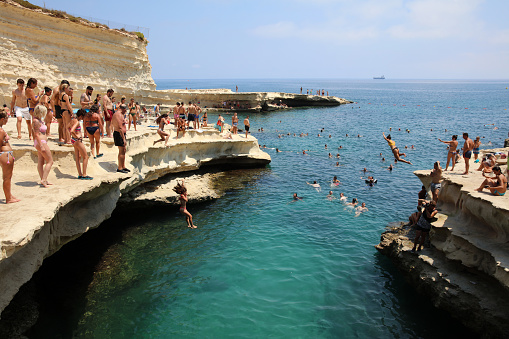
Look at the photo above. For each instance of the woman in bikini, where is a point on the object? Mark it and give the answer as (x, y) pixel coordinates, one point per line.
(79, 148)
(32, 99)
(204, 119)
(133, 111)
(182, 191)
(45, 100)
(451, 155)
(93, 125)
(45, 159)
(6, 160)
(65, 104)
(162, 120)
(395, 150)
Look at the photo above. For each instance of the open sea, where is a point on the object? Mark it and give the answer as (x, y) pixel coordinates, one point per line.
(260, 265)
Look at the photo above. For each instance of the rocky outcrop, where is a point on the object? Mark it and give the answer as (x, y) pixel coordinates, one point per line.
(47, 219)
(37, 45)
(465, 270)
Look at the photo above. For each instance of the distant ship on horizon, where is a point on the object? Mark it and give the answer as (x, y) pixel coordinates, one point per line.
(379, 78)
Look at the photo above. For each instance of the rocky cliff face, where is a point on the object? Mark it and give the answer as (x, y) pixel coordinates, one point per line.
(465, 270)
(34, 44)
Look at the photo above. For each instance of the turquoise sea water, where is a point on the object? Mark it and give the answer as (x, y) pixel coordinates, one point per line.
(260, 265)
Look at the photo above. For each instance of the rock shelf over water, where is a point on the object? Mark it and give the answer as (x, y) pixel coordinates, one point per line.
(466, 269)
(47, 218)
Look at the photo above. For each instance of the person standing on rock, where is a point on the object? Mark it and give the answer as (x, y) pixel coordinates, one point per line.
(107, 108)
(93, 125)
(119, 137)
(44, 156)
(19, 106)
(45, 100)
(436, 176)
(6, 160)
(246, 125)
(423, 224)
(197, 111)
(191, 111)
(182, 111)
(86, 98)
(176, 113)
(80, 152)
(477, 144)
(468, 146)
(33, 100)
(65, 104)
(55, 101)
(451, 155)
(235, 123)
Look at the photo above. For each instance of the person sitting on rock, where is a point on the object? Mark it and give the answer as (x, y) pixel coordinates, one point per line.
(414, 217)
(423, 224)
(497, 185)
(487, 165)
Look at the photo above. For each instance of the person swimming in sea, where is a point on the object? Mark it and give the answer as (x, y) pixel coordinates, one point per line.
(296, 198)
(315, 185)
(335, 181)
(353, 203)
(330, 196)
(371, 181)
(342, 197)
(395, 150)
(360, 209)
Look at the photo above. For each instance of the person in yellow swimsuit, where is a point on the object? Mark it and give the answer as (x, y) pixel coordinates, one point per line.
(395, 150)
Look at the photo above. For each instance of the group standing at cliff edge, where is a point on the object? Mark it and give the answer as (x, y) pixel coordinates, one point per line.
(101, 117)
(495, 181)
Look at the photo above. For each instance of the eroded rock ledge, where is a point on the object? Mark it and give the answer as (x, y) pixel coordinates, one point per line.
(465, 269)
(46, 219)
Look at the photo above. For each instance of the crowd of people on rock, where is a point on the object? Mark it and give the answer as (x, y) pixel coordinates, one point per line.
(318, 92)
(99, 117)
(495, 182)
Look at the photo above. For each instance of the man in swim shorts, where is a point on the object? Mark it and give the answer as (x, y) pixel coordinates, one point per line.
(19, 106)
(468, 146)
(191, 111)
(119, 136)
(55, 101)
(246, 125)
(497, 185)
(107, 107)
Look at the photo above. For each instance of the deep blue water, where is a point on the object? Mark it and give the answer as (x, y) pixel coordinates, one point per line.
(260, 265)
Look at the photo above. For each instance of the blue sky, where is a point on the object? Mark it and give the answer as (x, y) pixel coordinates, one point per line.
(402, 39)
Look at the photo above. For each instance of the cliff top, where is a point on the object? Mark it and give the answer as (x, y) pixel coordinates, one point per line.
(76, 19)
